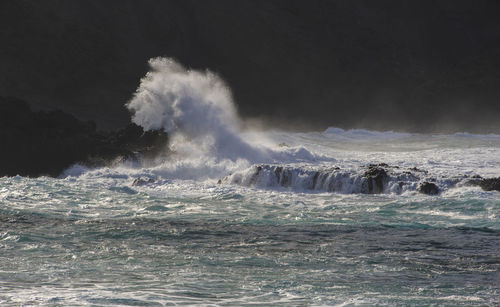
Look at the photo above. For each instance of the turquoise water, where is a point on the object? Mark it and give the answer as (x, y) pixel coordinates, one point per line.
(93, 238)
(79, 242)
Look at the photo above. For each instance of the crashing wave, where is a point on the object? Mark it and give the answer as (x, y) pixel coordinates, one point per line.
(195, 108)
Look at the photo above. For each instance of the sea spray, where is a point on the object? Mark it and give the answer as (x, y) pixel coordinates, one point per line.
(196, 109)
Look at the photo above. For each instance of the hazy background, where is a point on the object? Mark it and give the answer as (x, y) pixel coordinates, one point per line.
(399, 65)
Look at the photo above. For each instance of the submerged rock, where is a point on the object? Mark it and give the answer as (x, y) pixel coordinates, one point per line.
(415, 169)
(140, 181)
(428, 188)
(490, 184)
(487, 184)
(46, 143)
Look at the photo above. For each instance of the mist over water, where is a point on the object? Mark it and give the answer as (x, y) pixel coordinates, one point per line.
(207, 142)
(197, 110)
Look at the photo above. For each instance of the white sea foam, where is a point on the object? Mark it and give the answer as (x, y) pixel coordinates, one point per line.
(364, 134)
(196, 109)
(478, 136)
(173, 238)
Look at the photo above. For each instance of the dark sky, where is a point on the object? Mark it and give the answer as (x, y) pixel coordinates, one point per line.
(399, 65)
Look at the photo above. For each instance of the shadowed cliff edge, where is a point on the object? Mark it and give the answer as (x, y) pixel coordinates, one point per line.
(46, 143)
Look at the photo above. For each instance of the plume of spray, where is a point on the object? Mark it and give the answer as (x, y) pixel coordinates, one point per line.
(206, 139)
(195, 108)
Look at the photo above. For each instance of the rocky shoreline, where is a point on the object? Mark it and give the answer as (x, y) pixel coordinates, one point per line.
(45, 143)
(372, 179)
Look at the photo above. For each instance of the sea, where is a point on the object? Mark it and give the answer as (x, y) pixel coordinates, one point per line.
(232, 216)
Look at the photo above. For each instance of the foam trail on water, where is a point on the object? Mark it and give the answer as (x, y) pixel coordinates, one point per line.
(196, 109)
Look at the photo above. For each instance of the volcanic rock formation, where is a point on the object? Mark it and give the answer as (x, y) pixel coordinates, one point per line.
(46, 143)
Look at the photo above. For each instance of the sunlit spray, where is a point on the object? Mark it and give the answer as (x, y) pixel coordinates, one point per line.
(195, 108)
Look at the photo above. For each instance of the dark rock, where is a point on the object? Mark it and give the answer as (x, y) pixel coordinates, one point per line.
(286, 178)
(487, 184)
(315, 180)
(142, 181)
(376, 177)
(46, 143)
(277, 171)
(283, 176)
(415, 169)
(473, 181)
(255, 176)
(408, 174)
(428, 188)
(490, 184)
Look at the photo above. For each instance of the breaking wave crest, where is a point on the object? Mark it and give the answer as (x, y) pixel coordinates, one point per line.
(208, 143)
(196, 109)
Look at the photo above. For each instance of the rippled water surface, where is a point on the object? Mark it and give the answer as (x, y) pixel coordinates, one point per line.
(93, 238)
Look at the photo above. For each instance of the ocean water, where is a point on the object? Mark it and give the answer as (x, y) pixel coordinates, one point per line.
(91, 237)
(255, 217)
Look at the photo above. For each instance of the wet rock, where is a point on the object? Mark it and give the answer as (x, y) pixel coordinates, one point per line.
(415, 169)
(135, 139)
(286, 178)
(407, 176)
(376, 177)
(255, 176)
(283, 176)
(140, 181)
(487, 184)
(428, 188)
(490, 184)
(315, 180)
(277, 172)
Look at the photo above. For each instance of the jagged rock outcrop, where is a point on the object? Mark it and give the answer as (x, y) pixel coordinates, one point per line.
(428, 188)
(487, 184)
(372, 179)
(140, 181)
(46, 143)
(490, 184)
(377, 177)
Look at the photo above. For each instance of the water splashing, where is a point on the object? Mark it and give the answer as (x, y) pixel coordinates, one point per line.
(196, 109)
